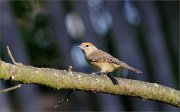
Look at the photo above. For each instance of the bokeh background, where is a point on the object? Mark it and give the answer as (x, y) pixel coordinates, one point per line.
(40, 33)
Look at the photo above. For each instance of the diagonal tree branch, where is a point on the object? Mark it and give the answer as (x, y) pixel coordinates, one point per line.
(62, 79)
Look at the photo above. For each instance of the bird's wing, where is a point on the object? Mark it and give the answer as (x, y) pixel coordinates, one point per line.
(101, 56)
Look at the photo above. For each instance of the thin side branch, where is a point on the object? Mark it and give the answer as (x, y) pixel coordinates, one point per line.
(12, 76)
(11, 88)
(63, 100)
(61, 79)
(10, 55)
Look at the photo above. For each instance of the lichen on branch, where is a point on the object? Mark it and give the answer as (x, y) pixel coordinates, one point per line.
(62, 79)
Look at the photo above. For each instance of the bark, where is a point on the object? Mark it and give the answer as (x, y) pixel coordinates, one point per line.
(62, 79)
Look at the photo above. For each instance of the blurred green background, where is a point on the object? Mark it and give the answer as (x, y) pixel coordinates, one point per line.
(144, 34)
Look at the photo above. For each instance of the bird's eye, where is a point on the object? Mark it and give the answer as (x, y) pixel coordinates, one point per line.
(87, 45)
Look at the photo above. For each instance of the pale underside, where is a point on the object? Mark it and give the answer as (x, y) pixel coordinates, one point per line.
(105, 67)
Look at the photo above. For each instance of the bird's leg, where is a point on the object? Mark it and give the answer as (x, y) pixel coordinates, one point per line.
(114, 81)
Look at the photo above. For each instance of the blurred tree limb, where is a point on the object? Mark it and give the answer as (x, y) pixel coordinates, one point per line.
(62, 79)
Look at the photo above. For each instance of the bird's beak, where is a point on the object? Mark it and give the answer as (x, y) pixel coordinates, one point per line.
(80, 47)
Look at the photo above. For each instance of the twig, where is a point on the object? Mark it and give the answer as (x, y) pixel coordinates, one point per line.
(11, 88)
(10, 55)
(12, 76)
(69, 70)
(63, 100)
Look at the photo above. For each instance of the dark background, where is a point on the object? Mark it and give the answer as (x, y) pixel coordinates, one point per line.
(47, 33)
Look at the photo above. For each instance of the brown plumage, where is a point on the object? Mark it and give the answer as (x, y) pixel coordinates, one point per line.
(102, 60)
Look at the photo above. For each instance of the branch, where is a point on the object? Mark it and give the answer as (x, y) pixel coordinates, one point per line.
(61, 79)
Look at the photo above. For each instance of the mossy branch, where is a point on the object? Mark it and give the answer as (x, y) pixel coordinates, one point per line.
(62, 79)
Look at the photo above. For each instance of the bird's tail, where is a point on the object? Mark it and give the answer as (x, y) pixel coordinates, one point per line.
(124, 65)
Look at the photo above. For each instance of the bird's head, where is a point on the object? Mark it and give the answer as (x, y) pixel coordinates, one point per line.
(87, 48)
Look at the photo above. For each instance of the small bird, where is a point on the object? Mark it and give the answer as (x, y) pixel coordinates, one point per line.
(102, 60)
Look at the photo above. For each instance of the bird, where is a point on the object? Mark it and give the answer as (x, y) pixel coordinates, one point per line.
(103, 61)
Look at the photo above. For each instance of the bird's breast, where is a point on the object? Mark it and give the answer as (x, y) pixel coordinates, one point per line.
(104, 67)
